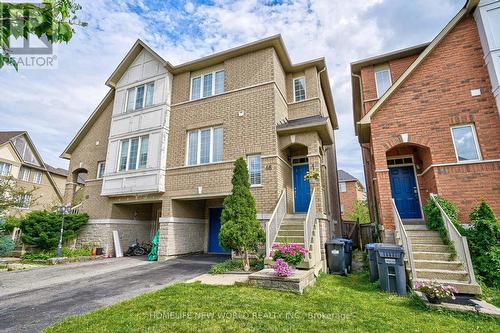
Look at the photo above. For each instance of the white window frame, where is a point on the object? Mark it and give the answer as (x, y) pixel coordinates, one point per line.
(201, 77)
(135, 96)
(9, 169)
(294, 93)
(198, 154)
(36, 179)
(476, 142)
(342, 187)
(98, 174)
(128, 153)
(28, 172)
(260, 171)
(26, 201)
(378, 69)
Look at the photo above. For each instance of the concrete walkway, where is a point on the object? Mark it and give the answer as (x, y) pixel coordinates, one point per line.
(34, 299)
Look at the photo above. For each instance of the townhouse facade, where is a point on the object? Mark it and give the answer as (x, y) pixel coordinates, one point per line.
(350, 190)
(158, 152)
(427, 119)
(20, 160)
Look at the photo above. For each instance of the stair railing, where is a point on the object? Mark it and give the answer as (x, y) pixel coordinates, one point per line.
(309, 224)
(458, 241)
(273, 226)
(405, 240)
(75, 209)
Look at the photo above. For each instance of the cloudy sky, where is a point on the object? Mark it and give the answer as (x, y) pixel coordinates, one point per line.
(53, 104)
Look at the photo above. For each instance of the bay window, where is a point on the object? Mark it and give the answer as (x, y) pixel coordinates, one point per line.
(140, 96)
(204, 146)
(133, 153)
(207, 85)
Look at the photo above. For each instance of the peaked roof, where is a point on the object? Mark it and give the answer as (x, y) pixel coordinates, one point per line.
(9, 135)
(345, 176)
(362, 126)
(57, 171)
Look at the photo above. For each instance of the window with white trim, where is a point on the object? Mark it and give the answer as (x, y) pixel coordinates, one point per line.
(204, 145)
(24, 201)
(133, 153)
(342, 187)
(382, 79)
(299, 89)
(24, 174)
(465, 142)
(255, 169)
(5, 169)
(37, 177)
(140, 97)
(100, 169)
(207, 85)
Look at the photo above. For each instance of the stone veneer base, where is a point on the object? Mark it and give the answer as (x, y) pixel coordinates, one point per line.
(296, 283)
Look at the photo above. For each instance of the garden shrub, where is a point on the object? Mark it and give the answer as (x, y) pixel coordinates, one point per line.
(434, 220)
(484, 243)
(6, 245)
(42, 228)
(226, 266)
(47, 254)
(9, 223)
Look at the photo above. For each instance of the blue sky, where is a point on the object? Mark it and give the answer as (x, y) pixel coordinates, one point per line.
(53, 104)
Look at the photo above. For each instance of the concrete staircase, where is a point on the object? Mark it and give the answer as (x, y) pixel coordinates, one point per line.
(436, 261)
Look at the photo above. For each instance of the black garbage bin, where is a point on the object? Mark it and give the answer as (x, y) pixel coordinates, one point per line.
(391, 268)
(335, 257)
(347, 252)
(372, 260)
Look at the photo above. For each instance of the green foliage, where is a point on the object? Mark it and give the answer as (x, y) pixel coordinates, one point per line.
(360, 212)
(226, 266)
(6, 245)
(11, 222)
(54, 19)
(240, 229)
(47, 254)
(10, 192)
(42, 228)
(434, 220)
(484, 244)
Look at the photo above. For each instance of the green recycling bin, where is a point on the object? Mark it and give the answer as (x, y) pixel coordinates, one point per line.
(391, 268)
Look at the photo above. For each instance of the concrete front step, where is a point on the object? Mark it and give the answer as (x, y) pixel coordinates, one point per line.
(422, 233)
(430, 248)
(290, 239)
(415, 227)
(424, 255)
(440, 274)
(462, 287)
(439, 264)
(292, 226)
(426, 240)
(291, 233)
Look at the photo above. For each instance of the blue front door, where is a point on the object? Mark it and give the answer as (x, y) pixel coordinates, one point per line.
(213, 232)
(404, 192)
(301, 189)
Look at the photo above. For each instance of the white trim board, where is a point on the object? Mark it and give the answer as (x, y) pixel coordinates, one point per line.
(182, 220)
(118, 221)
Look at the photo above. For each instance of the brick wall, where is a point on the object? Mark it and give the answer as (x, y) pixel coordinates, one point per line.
(348, 198)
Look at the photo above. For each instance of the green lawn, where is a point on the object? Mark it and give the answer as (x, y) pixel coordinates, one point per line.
(335, 304)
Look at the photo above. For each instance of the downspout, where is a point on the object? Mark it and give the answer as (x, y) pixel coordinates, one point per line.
(360, 93)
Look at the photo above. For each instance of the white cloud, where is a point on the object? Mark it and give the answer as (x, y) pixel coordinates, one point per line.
(53, 104)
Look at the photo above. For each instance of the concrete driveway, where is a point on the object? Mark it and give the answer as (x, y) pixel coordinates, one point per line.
(34, 299)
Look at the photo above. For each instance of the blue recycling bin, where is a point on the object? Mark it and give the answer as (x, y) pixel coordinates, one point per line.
(372, 260)
(347, 252)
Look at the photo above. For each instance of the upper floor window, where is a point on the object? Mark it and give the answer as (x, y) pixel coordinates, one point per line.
(299, 89)
(465, 142)
(207, 85)
(255, 169)
(37, 177)
(140, 97)
(5, 169)
(382, 79)
(24, 201)
(133, 153)
(204, 145)
(342, 187)
(100, 169)
(24, 174)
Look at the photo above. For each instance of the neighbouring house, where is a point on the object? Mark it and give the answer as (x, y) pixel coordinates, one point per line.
(20, 160)
(158, 152)
(427, 121)
(350, 190)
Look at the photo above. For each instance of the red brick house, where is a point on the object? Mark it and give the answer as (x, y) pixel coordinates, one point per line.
(427, 122)
(350, 190)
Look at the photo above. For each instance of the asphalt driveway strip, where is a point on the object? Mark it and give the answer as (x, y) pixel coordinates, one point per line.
(34, 299)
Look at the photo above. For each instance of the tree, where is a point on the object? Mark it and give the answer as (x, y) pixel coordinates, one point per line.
(360, 211)
(10, 194)
(53, 19)
(240, 229)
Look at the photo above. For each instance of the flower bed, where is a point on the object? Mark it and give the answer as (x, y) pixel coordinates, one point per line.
(436, 292)
(287, 257)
